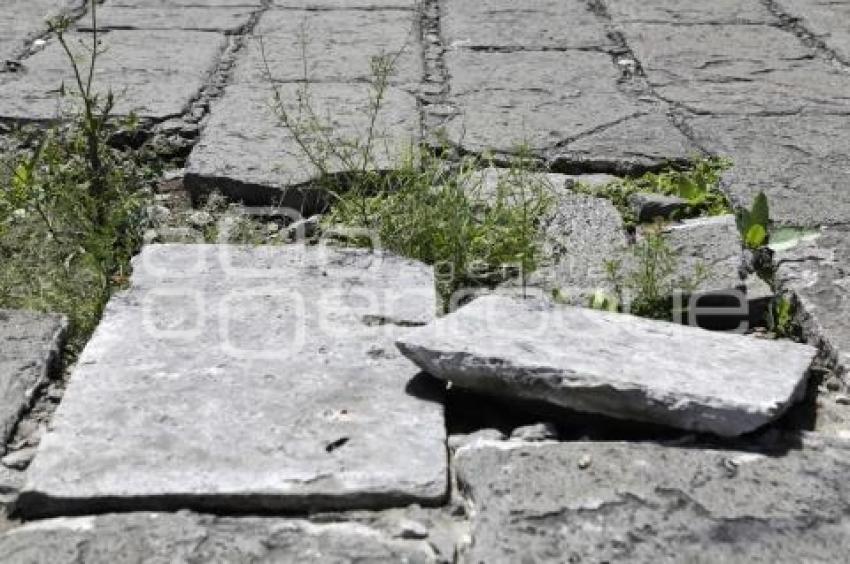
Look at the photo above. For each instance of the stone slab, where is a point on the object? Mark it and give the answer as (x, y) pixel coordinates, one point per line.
(533, 24)
(648, 503)
(733, 69)
(22, 20)
(30, 350)
(335, 46)
(818, 274)
(799, 162)
(258, 379)
(617, 365)
(825, 19)
(154, 73)
(193, 18)
(505, 99)
(347, 4)
(187, 537)
(246, 154)
(685, 12)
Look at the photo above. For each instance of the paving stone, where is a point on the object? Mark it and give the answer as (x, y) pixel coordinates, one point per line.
(558, 97)
(800, 163)
(613, 364)
(187, 537)
(336, 45)
(187, 3)
(22, 20)
(111, 17)
(818, 273)
(245, 153)
(737, 69)
(628, 147)
(685, 12)
(644, 502)
(154, 73)
(534, 24)
(258, 379)
(348, 4)
(826, 19)
(30, 347)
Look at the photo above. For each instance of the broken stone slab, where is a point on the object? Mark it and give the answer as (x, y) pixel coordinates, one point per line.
(534, 24)
(331, 46)
(257, 379)
(245, 152)
(613, 364)
(648, 206)
(817, 273)
(30, 351)
(648, 503)
(154, 73)
(188, 537)
(798, 162)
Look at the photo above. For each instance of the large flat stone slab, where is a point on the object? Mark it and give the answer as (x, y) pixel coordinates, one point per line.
(647, 503)
(533, 24)
(800, 162)
(247, 154)
(333, 46)
(30, 347)
(617, 365)
(248, 379)
(737, 69)
(818, 274)
(154, 73)
(187, 537)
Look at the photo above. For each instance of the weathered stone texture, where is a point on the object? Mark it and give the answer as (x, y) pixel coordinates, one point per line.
(799, 162)
(685, 12)
(643, 502)
(153, 73)
(21, 20)
(186, 537)
(825, 19)
(614, 364)
(193, 17)
(30, 346)
(256, 379)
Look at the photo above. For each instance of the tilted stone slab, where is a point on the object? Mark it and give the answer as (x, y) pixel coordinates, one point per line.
(800, 162)
(248, 379)
(614, 364)
(187, 537)
(247, 154)
(534, 24)
(737, 69)
(817, 271)
(648, 503)
(333, 45)
(30, 347)
(153, 73)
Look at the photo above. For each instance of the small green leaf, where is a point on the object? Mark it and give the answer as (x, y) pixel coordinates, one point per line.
(691, 191)
(603, 302)
(756, 236)
(743, 221)
(761, 211)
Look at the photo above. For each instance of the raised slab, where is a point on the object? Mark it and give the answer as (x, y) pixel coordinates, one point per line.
(648, 503)
(248, 379)
(614, 364)
(30, 346)
(187, 537)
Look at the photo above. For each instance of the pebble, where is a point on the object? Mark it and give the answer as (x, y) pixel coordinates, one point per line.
(538, 432)
(410, 529)
(584, 462)
(19, 459)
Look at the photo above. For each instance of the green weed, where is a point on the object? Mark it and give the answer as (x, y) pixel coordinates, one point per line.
(753, 223)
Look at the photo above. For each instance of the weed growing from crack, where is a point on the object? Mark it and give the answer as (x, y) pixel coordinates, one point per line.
(71, 208)
(699, 186)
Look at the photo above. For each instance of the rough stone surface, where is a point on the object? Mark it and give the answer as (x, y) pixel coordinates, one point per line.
(187, 537)
(799, 163)
(617, 365)
(825, 19)
(644, 502)
(248, 155)
(23, 20)
(818, 273)
(258, 379)
(649, 206)
(153, 73)
(195, 18)
(677, 11)
(30, 346)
